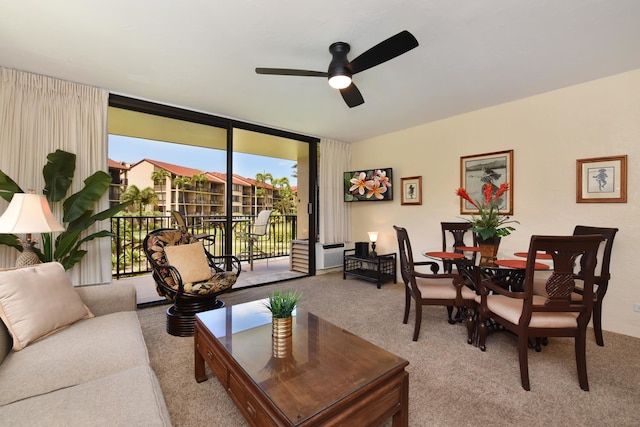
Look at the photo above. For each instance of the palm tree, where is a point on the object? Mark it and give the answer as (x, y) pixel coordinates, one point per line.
(140, 199)
(148, 197)
(285, 195)
(262, 191)
(131, 195)
(198, 180)
(160, 176)
(181, 182)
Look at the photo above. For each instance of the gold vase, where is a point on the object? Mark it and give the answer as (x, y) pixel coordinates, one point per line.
(282, 336)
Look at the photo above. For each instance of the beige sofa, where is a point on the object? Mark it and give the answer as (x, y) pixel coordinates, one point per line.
(88, 372)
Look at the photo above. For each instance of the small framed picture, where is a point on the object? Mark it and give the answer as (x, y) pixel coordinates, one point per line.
(411, 190)
(601, 180)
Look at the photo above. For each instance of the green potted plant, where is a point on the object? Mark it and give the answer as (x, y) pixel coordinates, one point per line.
(281, 304)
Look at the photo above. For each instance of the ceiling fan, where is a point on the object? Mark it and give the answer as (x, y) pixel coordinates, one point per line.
(341, 70)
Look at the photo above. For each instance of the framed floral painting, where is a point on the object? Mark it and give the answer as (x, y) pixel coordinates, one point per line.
(491, 168)
(601, 180)
(411, 190)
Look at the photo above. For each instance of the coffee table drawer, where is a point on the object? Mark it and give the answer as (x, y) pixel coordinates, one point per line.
(250, 408)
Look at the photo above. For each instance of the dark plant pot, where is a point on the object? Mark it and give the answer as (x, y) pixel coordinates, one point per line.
(488, 250)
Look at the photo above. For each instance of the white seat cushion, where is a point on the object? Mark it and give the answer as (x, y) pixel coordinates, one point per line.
(510, 309)
(441, 289)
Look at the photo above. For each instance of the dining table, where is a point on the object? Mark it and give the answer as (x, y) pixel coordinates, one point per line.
(505, 271)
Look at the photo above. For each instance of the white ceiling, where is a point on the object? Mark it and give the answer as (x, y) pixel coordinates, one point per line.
(201, 54)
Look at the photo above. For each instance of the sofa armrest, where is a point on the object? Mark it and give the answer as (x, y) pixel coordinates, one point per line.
(110, 298)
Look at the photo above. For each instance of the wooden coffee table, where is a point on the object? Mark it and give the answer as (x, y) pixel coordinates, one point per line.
(322, 376)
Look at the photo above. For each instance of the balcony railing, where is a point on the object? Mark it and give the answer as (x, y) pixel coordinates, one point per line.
(128, 258)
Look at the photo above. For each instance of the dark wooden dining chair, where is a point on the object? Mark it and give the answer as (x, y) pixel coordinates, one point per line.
(602, 275)
(455, 234)
(529, 315)
(430, 288)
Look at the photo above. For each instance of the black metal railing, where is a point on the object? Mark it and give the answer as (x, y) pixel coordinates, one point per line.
(128, 258)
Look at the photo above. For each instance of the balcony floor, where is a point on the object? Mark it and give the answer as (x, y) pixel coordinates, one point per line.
(277, 270)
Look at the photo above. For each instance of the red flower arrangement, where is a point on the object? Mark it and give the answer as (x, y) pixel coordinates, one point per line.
(489, 222)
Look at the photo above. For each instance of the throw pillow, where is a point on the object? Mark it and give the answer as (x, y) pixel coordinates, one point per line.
(38, 300)
(190, 261)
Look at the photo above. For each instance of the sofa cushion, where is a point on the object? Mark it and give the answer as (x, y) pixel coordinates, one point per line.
(190, 261)
(38, 300)
(131, 397)
(86, 350)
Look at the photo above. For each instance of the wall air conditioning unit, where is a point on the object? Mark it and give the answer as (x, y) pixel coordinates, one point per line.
(329, 256)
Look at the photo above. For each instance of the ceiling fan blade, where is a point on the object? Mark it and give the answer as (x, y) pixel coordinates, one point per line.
(394, 46)
(289, 72)
(352, 96)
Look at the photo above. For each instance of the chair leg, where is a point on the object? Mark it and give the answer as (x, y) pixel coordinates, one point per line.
(581, 359)
(416, 329)
(471, 324)
(250, 255)
(482, 332)
(407, 305)
(523, 356)
(597, 322)
(450, 314)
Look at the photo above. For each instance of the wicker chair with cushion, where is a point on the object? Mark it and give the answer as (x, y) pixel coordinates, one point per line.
(187, 275)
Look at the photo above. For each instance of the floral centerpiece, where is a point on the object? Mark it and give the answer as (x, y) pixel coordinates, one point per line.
(489, 223)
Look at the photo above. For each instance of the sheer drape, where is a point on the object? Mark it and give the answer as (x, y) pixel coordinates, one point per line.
(38, 115)
(335, 159)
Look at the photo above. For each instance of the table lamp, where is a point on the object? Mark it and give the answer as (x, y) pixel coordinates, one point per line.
(373, 237)
(28, 213)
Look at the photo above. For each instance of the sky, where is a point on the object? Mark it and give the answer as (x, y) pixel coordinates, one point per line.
(132, 150)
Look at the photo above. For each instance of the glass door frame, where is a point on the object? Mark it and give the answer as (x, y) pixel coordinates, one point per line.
(123, 102)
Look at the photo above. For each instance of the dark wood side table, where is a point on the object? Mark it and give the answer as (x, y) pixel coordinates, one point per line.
(378, 269)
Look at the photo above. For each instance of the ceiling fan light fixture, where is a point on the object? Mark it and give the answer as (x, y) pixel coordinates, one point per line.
(339, 81)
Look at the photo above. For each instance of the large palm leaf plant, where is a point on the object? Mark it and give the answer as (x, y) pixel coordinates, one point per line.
(78, 214)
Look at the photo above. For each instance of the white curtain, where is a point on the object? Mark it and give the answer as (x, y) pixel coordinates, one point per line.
(38, 115)
(335, 159)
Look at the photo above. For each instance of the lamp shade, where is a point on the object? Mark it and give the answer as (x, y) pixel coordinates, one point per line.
(373, 236)
(28, 213)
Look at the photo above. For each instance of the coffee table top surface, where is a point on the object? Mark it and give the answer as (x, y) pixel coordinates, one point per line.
(325, 363)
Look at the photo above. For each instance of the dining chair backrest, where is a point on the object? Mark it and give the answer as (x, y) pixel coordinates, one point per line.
(406, 255)
(559, 286)
(454, 233)
(603, 261)
(602, 272)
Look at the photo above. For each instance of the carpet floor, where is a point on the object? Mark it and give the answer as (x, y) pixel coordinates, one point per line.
(450, 382)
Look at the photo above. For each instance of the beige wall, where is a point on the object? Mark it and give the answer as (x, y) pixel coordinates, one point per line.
(548, 133)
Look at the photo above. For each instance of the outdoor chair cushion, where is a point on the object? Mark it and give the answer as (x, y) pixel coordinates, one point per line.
(190, 261)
